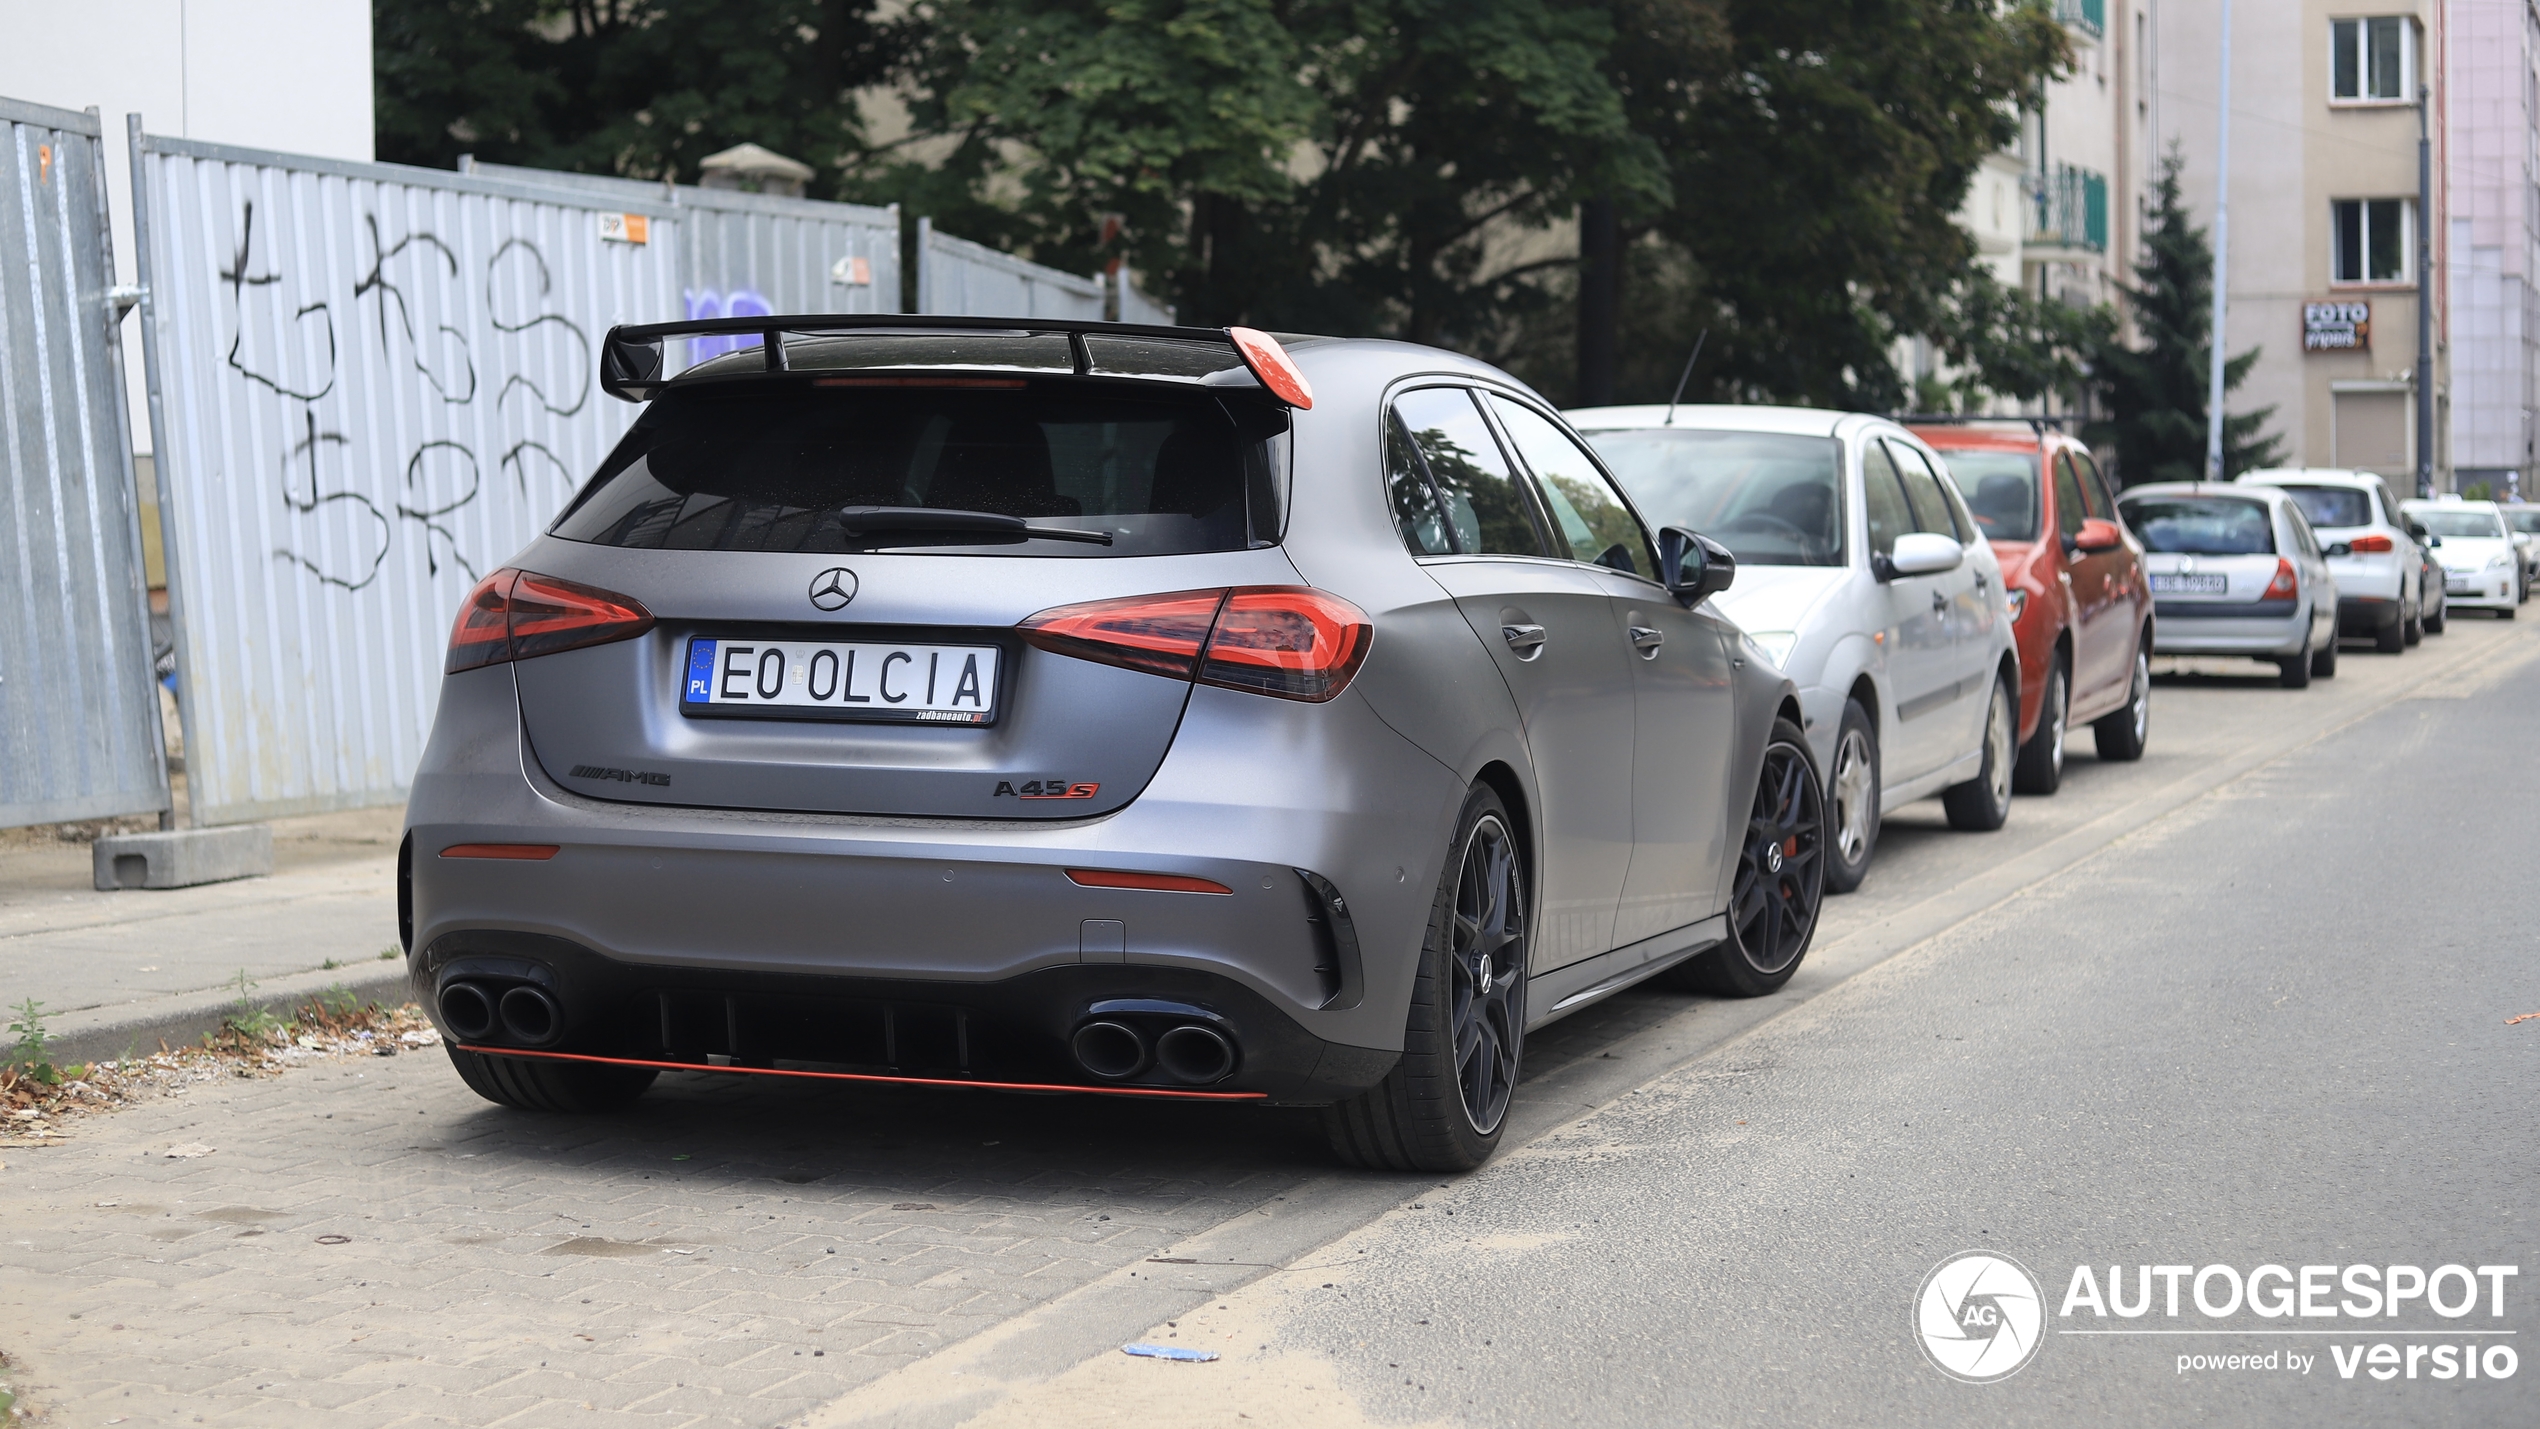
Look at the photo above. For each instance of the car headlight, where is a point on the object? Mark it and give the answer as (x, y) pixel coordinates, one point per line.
(2499, 561)
(1776, 645)
(2018, 601)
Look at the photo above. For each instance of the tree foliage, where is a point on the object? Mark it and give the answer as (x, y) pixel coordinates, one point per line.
(2155, 394)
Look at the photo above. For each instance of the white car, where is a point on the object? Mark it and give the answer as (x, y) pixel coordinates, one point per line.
(2482, 567)
(2524, 521)
(2380, 576)
(1863, 576)
(2235, 570)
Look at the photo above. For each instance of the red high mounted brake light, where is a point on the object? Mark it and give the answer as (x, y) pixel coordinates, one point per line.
(2372, 545)
(1270, 362)
(1293, 642)
(515, 614)
(2283, 587)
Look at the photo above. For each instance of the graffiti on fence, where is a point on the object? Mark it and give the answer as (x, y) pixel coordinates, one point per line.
(707, 303)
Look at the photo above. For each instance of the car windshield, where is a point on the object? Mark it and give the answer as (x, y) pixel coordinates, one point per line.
(2201, 525)
(2001, 489)
(2456, 522)
(2331, 506)
(768, 467)
(2524, 519)
(1773, 500)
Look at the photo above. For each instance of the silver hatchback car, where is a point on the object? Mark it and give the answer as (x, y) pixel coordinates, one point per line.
(1076, 706)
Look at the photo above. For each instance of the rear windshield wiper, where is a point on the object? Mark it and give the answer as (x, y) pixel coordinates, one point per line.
(862, 519)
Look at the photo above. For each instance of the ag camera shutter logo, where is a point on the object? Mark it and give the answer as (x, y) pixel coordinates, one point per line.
(1980, 1317)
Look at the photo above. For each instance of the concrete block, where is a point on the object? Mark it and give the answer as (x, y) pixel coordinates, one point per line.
(182, 858)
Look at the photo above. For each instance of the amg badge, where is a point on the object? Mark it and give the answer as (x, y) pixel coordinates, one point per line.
(1045, 789)
(622, 776)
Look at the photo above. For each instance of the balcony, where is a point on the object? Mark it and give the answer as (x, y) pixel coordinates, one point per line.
(2068, 209)
(2088, 16)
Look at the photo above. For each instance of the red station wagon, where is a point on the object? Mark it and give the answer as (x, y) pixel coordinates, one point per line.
(2081, 610)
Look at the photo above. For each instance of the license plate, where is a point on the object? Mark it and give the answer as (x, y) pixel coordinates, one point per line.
(2190, 585)
(2455, 586)
(858, 680)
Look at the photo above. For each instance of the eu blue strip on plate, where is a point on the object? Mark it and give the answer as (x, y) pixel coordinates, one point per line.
(700, 671)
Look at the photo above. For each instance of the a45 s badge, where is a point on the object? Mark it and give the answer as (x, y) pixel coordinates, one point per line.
(1044, 789)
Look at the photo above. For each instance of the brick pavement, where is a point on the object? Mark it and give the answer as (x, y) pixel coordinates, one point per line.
(724, 1253)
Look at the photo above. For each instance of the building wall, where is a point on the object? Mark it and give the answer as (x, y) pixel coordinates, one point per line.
(2294, 152)
(2493, 173)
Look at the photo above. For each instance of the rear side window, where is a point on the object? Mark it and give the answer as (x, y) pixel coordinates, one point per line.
(2001, 491)
(2333, 506)
(2202, 525)
(1586, 510)
(1485, 508)
(1883, 500)
(770, 467)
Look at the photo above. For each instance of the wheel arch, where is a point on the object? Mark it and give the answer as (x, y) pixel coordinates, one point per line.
(1503, 781)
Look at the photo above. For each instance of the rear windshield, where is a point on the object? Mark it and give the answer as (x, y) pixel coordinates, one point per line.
(2001, 489)
(2470, 524)
(2332, 506)
(2201, 525)
(1771, 499)
(768, 467)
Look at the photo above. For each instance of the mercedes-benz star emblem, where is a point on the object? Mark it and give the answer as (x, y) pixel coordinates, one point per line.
(832, 588)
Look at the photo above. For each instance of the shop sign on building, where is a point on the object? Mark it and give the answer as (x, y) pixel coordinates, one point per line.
(2336, 327)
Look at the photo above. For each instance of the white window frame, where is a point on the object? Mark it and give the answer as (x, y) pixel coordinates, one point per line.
(2363, 98)
(2407, 242)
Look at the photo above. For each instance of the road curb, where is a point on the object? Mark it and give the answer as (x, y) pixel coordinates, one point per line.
(100, 1034)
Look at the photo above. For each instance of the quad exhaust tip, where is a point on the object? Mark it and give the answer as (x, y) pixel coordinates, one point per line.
(1110, 1050)
(531, 1016)
(1195, 1054)
(1192, 1053)
(467, 1009)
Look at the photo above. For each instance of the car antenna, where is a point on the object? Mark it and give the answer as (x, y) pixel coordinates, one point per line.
(1687, 377)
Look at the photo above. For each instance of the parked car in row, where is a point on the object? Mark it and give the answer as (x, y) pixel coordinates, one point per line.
(1864, 577)
(2080, 611)
(1151, 711)
(2482, 568)
(2524, 521)
(2235, 570)
(2371, 550)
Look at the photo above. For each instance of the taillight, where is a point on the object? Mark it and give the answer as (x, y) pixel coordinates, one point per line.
(515, 615)
(2283, 587)
(2372, 545)
(1293, 642)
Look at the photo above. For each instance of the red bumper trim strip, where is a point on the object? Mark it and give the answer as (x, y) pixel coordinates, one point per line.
(1166, 1092)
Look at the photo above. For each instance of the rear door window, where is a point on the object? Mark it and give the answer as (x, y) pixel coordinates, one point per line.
(1585, 508)
(1485, 507)
(770, 466)
(1883, 499)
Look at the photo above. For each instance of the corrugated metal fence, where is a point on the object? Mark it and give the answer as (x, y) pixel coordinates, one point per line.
(370, 385)
(79, 707)
(958, 277)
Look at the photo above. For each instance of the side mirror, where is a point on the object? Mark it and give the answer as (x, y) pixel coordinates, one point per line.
(1919, 553)
(2417, 529)
(1693, 566)
(2098, 534)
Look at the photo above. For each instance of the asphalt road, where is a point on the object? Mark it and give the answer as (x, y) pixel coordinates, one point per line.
(2241, 1003)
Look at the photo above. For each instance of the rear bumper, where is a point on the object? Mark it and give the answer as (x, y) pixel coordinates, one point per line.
(2265, 637)
(2366, 614)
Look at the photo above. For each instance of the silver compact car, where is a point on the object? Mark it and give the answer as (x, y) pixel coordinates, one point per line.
(1082, 707)
(2235, 570)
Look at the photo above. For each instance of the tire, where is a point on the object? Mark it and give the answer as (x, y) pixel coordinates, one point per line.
(2294, 672)
(2121, 735)
(1982, 803)
(530, 1084)
(1780, 881)
(2434, 623)
(2392, 638)
(1444, 1105)
(2324, 661)
(1852, 800)
(2414, 633)
(2504, 612)
(2040, 769)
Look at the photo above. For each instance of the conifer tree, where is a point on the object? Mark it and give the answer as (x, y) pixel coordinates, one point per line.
(2155, 394)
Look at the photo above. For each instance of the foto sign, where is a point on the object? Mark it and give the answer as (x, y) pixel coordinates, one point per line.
(2336, 327)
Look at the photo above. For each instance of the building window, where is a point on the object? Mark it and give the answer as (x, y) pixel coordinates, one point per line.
(2372, 60)
(2374, 236)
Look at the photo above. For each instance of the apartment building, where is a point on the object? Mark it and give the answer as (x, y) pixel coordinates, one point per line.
(2492, 175)
(2322, 274)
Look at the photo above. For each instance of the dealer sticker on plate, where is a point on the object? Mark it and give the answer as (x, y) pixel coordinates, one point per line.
(796, 679)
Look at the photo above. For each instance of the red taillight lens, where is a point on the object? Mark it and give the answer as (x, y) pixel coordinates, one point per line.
(2372, 545)
(515, 615)
(1290, 641)
(2283, 587)
(1151, 882)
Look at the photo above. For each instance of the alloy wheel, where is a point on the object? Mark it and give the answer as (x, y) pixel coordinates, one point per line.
(1486, 958)
(2139, 707)
(1999, 729)
(1781, 867)
(2060, 708)
(1855, 802)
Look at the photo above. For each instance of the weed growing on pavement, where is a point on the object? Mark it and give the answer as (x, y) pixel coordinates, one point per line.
(251, 1023)
(30, 1055)
(335, 1023)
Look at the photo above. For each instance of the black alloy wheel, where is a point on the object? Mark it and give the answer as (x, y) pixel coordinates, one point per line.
(1781, 877)
(1444, 1104)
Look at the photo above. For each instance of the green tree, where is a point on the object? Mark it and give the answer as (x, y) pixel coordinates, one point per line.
(2155, 394)
(643, 88)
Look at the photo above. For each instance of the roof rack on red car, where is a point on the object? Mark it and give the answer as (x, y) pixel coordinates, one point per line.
(2037, 422)
(632, 367)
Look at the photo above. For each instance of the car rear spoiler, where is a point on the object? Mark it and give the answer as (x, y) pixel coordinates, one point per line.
(631, 364)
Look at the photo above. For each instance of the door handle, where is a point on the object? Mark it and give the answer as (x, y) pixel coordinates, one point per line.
(1647, 639)
(1526, 640)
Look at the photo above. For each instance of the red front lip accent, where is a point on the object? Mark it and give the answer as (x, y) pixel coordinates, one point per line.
(1168, 1092)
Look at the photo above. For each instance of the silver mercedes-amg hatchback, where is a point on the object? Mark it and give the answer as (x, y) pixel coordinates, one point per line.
(1074, 706)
